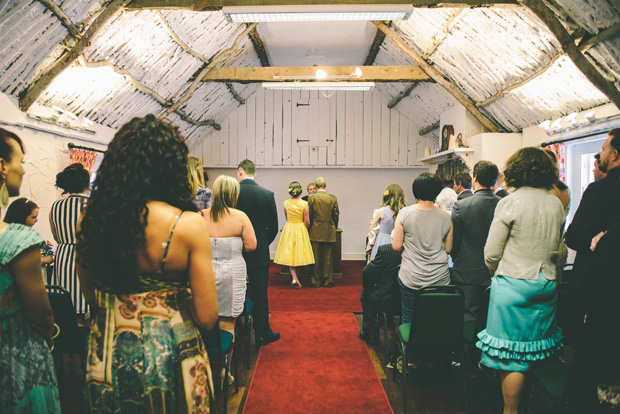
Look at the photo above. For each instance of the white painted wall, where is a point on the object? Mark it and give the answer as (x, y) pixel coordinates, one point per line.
(46, 155)
(359, 192)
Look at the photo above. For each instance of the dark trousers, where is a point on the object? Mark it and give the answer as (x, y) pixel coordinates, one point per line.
(323, 265)
(473, 295)
(258, 277)
(369, 312)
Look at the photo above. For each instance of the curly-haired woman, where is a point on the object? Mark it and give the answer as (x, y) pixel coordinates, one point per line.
(295, 249)
(74, 182)
(141, 245)
(522, 253)
(393, 201)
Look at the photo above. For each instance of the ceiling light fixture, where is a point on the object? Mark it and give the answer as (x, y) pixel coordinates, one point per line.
(321, 75)
(317, 13)
(321, 86)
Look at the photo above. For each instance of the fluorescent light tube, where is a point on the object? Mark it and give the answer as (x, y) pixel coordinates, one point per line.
(317, 13)
(321, 86)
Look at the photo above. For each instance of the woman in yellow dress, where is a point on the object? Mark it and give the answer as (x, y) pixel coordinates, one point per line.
(295, 249)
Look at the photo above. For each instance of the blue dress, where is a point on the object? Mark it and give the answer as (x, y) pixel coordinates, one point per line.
(27, 377)
(386, 225)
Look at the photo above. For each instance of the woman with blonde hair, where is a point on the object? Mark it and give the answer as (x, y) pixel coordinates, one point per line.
(393, 201)
(295, 249)
(231, 234)
(195, 175)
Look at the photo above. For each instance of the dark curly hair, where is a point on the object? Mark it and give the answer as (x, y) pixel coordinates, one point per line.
(146, 160)
(530, 167)
(73, 179)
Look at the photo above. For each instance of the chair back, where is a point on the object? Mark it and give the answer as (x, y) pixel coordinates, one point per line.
(570, 313)
(69, 340)
(437, 319)
(217, 342)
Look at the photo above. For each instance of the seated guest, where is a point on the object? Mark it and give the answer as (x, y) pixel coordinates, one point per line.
(462, 185)
(231, 234)
(423, 233)
(144, 262)
(380, 290)
(26, 212)
(472, 218)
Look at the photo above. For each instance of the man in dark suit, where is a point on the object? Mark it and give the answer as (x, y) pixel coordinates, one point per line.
(323, 209)
(462, 185)
(381, 291)
(260, 206)
(472, 219)
(599, 208)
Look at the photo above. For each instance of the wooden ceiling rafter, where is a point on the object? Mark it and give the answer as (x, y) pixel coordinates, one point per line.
(60, 15)
(29, 95)
(428, 129)
(567, 42)
(441, 36)
(374, 48)
(403, 94)
(440, 79)
(186, 48)
(307, 73)
(215, 61)
(145, 90)
(234, 93)
(259, 47)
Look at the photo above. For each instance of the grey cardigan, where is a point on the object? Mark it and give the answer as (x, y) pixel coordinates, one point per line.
(525, 235)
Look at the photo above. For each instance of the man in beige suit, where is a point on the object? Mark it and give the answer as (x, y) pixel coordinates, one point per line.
(323, 209)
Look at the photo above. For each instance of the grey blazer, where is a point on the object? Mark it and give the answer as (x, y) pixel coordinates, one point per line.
(472, 219)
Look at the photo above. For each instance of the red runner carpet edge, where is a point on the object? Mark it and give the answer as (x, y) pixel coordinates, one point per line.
(343, 297)
(319, 366)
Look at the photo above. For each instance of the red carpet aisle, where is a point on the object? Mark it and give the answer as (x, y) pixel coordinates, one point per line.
(344, 297)
(318, 367)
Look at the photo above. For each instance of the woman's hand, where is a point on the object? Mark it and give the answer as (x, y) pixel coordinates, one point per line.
(46, 260)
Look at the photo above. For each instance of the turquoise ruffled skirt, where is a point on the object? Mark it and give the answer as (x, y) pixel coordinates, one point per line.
(521, 326)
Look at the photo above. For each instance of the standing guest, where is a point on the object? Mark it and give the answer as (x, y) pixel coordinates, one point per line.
(446, 199)
(28, 379)
(462, 185)
(260, 206)
(26, 212)
(423, 233)
(295, 248)
(472, 219)
(196, 177)
(311, 190)
(231, 234)
(393, 201)
(598, 209)
(145, 268)
(521, 251)
(498, 188)
(74, 181)
(598, 174)
(559, 189)
(323, 209)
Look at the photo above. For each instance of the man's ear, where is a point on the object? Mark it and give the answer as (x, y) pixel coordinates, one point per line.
(616, 155)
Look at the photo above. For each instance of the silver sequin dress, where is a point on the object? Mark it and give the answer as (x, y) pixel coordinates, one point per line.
(230, 274)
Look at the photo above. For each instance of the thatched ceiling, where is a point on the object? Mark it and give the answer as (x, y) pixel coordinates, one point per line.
(512, 65)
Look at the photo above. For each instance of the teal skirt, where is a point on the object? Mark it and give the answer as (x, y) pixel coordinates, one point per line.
(521, 327)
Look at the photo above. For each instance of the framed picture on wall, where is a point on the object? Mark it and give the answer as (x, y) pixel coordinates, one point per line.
(446, 132)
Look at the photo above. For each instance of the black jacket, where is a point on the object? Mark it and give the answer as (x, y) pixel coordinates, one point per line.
(260, 206)
(379, 278)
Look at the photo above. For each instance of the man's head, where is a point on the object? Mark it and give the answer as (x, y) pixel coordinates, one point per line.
(610, 153)
(485, 174)
(246, 169)
(462, 182)
(598, 174)
(320, 183)
(311, 188)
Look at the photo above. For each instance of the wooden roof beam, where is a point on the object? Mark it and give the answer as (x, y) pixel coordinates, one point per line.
(440, 79)
(570, 48)
(374, 48)
(259, 47)
(307, 73)
(428, 129)
(441, 36)
(406, 92)
(29, 95)
(64, 20)
(218, 4)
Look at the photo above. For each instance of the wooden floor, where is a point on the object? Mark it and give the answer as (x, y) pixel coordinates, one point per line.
(429, 391)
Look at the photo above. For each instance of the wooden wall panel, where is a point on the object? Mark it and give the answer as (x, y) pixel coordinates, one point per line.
(343, 129)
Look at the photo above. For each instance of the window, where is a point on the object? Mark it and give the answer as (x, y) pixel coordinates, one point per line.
(579, 168)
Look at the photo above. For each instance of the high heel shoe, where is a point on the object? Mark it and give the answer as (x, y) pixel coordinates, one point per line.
(295, 284)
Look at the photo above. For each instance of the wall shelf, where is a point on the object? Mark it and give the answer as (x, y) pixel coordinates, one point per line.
(433, 160)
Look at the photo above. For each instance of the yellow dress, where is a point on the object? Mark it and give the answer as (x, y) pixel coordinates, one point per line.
(294, 248)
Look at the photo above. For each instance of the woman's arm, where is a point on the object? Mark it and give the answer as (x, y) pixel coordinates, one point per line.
(447, 241)
(498, 235)
(285, 214)
(201, 275)
(376, 218)
(26, 269)
(53, 228)
(85, 277)
(307, 217)
(398, 236)
(247, 233)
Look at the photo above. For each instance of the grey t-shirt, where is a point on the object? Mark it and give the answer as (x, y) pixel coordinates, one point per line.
(425, 261)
